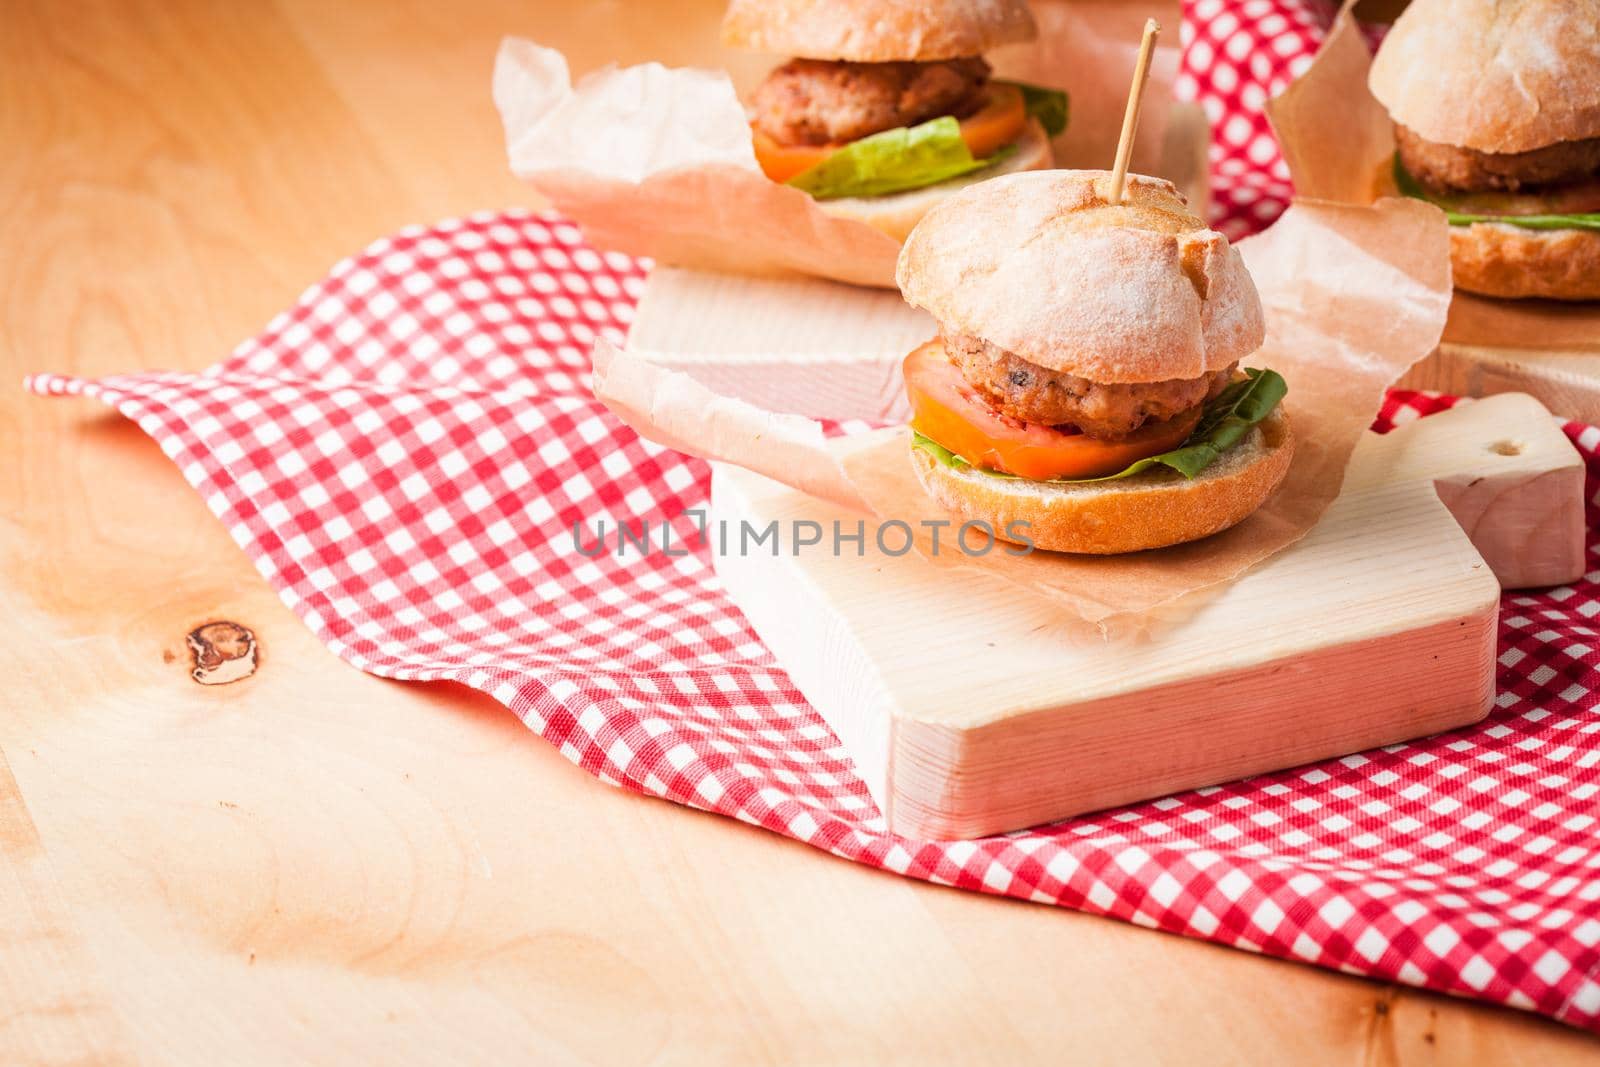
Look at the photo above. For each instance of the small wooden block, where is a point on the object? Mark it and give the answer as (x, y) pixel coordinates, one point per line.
(1508, 475)
(970, 708)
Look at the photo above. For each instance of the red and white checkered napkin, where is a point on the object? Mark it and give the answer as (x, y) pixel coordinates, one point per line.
(1238, 54)
(403, 454)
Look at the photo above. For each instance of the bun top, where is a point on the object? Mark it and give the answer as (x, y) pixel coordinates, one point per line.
(1493, 75)
(1042, 265)
(876, 31)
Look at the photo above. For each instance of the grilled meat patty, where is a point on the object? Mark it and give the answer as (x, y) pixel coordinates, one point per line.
(1033, 393)
(1444, 168)
(816, 101)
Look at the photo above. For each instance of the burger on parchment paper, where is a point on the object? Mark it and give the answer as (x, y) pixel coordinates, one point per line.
(889, 105)
(1087, 379)
(1496, 105)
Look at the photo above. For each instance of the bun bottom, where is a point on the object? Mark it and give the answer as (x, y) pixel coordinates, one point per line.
(1156, 508)
(1495, 259)
(897, 213)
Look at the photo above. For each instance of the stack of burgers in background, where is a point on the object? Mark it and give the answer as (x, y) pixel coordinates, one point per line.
(890, 107)
(1496, 108)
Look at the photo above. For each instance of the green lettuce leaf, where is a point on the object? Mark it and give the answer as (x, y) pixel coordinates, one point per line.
(906, 157)
(1410, 187)
(912, 157)
(1224, 422)
(1049, 106)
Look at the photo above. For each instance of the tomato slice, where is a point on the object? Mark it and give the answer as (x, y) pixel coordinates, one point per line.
(986, 131)
(946, 408)
(997, 123)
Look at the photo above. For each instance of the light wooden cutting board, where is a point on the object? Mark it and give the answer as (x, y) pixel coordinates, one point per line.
(1545, 348)
(971, 708)
(1567, 381)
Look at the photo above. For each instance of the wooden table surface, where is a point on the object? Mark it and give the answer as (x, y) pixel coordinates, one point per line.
(316, 866)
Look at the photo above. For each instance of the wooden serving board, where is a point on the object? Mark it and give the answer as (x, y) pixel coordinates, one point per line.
(1567, 381)
(820, 348)
(1545, 348)
(971, 708)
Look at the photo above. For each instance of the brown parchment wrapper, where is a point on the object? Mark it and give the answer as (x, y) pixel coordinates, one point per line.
(1338, 142)
(1353, 297)
(657, 161)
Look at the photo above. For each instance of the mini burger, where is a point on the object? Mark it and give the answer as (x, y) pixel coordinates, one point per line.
(1087, 381)
(1496, 105)
(890, 106)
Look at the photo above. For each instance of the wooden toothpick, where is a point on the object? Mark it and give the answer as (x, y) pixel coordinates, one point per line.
(1130, 118)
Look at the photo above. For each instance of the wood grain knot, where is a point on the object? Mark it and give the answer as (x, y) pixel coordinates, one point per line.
(223, 652)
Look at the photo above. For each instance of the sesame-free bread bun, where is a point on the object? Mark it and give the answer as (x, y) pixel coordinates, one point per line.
(1497, 259)
(876, 31)
(1042, 265)
(896, 213)
(1152, 509)
(1493, 75)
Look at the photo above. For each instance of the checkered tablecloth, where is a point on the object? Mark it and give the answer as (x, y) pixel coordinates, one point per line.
(403, 455)
(1238, 54)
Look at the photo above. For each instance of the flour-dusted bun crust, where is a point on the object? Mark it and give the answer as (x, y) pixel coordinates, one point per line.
(897, 213)
(1497, 259)
(1494, 75)
(1042, 265)
(877, 31)
(1156, 508)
